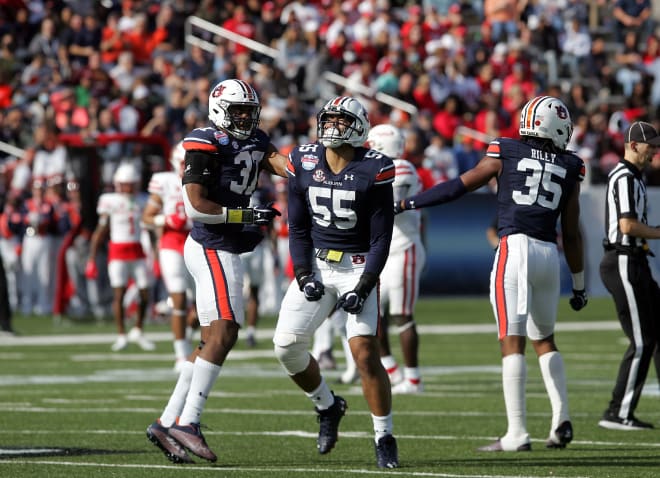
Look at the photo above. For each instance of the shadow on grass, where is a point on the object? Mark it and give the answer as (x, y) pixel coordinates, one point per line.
(7, 453)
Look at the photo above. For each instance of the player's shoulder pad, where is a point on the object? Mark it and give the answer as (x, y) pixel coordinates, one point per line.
(305, 156)
(405, 173)
(498, 146)
(385, 170)
(205, 140)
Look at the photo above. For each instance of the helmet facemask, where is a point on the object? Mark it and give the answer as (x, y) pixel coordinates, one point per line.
(342, 121)
(234, 107)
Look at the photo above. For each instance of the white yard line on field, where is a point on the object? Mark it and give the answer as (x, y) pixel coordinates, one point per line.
(267, 470)
(86, 339)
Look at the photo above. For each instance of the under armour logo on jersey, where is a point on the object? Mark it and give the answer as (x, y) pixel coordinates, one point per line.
(206, 172)
(348, 177)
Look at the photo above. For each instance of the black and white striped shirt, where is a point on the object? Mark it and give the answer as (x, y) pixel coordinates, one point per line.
(626, 198)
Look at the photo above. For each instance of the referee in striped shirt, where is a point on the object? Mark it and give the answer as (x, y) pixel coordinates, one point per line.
(625, 272)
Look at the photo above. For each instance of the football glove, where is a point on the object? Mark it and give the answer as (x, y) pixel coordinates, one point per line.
(579, 299)
(91, 271)
(310, 287)
(353, 300)
(176, 221)
(397, 207)
(264, 215)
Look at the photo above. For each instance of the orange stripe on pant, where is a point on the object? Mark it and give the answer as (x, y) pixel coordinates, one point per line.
(500, 295)
(220, 288)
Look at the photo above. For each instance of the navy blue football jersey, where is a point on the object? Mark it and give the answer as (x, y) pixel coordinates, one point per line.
(533, 187)
(229, 169)
(350, 211)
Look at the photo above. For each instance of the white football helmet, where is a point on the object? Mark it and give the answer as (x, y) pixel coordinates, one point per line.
(177, 157)
(224, 101)
(355, 134)
(126, 174)
(386, 139)
(546, 117)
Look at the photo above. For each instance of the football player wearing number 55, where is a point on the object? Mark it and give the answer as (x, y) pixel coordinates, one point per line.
(538, 182)
(222, 165)
(340, 229)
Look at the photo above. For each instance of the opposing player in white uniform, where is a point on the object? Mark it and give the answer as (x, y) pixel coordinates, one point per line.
(120, 214)
(399, 281)
(166, 213)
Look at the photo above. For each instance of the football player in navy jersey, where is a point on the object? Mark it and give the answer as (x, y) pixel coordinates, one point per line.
(538, 182)
(340, 229)
(222, 164)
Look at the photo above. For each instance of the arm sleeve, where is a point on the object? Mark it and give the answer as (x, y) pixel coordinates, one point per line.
(300, 239)
(382, 222)
(438, 194)
(199, 168)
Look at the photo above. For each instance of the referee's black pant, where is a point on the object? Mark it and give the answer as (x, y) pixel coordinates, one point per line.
(636, 296)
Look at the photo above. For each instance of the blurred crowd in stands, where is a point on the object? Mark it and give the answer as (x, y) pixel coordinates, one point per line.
(80, 69)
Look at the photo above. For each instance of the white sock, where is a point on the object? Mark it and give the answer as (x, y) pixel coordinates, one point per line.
(251, 331)
(321, 397)
(323, 338)
(178, 397)
(350, 363)
(382, 426)
(412, 374)
(514, 376)
(182, 348)
(554, 377)
(204, 376)
(389, 363)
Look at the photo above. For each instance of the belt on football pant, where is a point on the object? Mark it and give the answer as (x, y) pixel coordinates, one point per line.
(329, 255)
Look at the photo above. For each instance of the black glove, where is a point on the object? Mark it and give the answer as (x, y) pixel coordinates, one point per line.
(579, 299)
(263, 215)
(353, 301)
(312, 288)
(397, 207)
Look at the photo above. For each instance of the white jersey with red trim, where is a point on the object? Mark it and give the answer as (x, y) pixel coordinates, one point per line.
(407, 225)
(167, 186)
(125, 213)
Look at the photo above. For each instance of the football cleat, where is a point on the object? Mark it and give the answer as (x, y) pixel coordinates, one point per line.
(120, 344)
(326, 361)
(497, 446)
(136, 336)
(408, 387)
(329, 425)
(387, 453)
(158, 435)
(190, 436)
(612, 422)
(561, 436)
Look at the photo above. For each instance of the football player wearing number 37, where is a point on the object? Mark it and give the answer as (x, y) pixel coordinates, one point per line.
(340, 229)
(538, 182)
(222, 164)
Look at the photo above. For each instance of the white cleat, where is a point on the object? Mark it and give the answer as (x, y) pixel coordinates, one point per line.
(120, 344)
(407, 387)
(137, 337)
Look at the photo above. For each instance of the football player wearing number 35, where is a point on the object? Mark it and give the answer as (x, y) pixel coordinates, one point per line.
(340, 229)
(222, 165)
(538, 182)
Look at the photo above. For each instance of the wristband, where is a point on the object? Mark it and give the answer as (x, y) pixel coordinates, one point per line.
(159, 220)
(578, 280)
(240, 216)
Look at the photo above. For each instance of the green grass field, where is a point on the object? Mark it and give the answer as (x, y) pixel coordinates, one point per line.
(72, 408)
